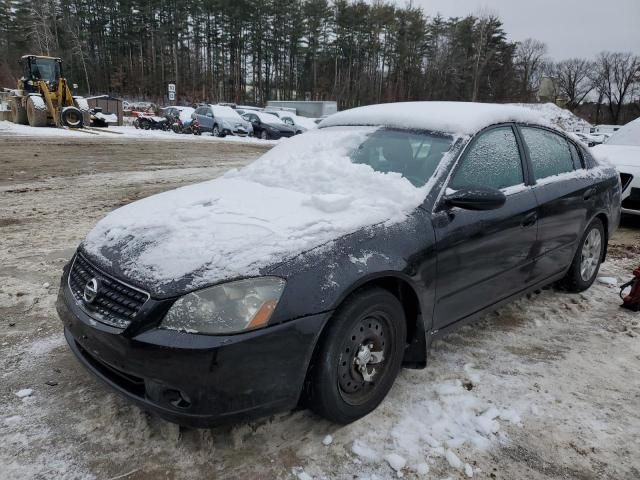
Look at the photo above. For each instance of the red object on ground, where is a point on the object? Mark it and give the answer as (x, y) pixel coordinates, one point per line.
(632, 300)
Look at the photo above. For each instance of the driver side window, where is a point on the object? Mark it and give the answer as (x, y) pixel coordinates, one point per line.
(493, 161)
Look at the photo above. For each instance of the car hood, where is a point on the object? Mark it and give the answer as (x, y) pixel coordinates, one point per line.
(619, 155)
(245, 222)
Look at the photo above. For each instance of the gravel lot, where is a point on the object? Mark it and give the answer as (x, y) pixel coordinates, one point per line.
(564, 367)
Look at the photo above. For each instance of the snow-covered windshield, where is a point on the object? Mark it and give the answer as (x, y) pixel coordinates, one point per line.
(227, 113)
(627, 135)
(268, 118)
(412, 155)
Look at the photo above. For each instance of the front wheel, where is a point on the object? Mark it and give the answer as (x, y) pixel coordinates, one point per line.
(359, 356)
(264, 135)
(586, 262)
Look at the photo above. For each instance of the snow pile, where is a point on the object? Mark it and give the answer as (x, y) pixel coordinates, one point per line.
(446, 420)
(299, 195)
(463, 118)
(25, 392)
(560, 117)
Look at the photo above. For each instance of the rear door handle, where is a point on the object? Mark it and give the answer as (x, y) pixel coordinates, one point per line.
(530, 219)
(589, 193)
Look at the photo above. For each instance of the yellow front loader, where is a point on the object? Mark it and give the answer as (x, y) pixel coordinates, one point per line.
(43, 97)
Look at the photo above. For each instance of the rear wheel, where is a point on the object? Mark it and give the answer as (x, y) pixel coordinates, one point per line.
(36, 111)
(586, 262)
(18, 112)
(359, 356)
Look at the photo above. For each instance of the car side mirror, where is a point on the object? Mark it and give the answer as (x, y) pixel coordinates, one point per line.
(476, 198)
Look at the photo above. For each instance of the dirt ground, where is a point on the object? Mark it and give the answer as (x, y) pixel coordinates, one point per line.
(567, 365)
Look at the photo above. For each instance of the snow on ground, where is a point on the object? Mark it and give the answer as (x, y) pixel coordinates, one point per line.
(127, 132)
(558, 116)
(545, 388)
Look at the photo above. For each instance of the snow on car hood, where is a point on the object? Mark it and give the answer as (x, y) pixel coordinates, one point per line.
(618, 155)
(301, 194)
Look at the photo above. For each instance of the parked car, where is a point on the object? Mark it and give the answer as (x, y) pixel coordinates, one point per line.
(298, 123)
(268, 126)
(319, 270)
(221, 121)
(589, 139)
(623, 150)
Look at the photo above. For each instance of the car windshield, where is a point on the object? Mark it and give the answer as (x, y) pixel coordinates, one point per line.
(411, 154)
(414, 155)
(226, 112)
(45, 69)
(268, 118)
(627, 135)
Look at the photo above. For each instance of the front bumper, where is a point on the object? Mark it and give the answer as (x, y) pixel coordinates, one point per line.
(196, 380)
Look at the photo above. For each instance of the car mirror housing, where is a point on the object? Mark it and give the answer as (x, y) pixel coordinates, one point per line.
(476, 198)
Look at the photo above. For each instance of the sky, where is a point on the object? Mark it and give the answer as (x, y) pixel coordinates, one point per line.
(570, 28)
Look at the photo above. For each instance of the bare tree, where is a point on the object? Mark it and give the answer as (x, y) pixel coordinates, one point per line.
(40, 28)
(616, 77)
(574, 80)
(530, 63)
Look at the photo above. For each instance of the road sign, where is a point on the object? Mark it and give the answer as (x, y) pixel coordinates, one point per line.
(172, 96)
(171, 88)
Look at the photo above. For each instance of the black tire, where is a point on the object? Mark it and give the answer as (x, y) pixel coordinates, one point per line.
(373, 319)
(216, 131)
(586, 262)
(145, 124)
(264, 135)
(72, 117)
(18, 112)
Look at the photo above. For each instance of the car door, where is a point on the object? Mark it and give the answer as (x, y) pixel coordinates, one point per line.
(485, 256)
(255, 121)
(563, 198)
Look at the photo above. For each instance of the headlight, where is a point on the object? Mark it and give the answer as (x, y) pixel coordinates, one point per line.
(227, 308)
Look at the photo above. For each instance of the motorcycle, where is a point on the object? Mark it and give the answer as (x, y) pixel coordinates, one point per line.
(151, 122)
(189, 126)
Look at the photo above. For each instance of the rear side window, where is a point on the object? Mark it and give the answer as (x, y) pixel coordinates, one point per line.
(549, 152)
(493, 161)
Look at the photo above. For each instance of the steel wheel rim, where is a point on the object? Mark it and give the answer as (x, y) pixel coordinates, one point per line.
(373, 329)
(216, 132)
(590, 254)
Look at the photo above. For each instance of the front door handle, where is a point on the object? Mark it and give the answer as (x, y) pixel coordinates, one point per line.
(589, 193)
(530, 219)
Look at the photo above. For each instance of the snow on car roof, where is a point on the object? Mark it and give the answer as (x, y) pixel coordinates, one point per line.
(465, 118)
(225, 112)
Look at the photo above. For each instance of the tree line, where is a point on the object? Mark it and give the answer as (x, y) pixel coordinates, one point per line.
(352, 51)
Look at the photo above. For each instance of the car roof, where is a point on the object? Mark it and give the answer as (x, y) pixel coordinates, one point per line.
(463, 118)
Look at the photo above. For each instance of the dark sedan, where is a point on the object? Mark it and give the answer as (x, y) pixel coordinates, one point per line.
(322, 268)
(267, 126)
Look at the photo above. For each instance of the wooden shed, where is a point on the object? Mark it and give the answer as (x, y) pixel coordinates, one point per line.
(108, 104)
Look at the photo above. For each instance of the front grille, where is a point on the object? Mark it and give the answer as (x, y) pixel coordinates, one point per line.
(115, 303)
(632, 202)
